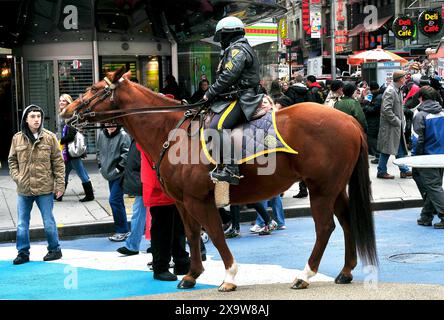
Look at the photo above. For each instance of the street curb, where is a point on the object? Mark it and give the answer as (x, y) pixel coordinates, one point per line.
(249, 215)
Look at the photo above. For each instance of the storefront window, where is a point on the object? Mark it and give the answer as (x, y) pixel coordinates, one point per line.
(74, 77)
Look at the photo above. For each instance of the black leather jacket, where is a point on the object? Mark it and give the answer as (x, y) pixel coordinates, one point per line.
(238, 69)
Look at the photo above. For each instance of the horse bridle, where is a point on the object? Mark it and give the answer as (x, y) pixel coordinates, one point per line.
(109, 91)
(99, 96)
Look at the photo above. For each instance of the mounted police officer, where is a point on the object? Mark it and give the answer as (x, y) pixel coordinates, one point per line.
(237, 80)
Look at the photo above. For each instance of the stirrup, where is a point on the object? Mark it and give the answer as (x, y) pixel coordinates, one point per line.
(230, 177)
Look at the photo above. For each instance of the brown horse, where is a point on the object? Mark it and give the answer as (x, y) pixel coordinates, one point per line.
(332, 152)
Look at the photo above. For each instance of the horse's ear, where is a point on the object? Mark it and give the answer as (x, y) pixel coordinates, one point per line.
(116, 75)
(127, 75)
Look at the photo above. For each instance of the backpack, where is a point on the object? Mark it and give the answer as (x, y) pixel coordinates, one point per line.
(77, 147)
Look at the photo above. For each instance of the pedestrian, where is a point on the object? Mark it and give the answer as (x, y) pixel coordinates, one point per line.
(234, 230)
(428, 139)
(132, 185)
(71, 162)
(167, 230)
(264, 224)
(283, 102)
(314, 90)
(198, 95)
(171, 87)
(278, 210)
(238, 72)
(410, 101)
(391, 140)
(36, 166)
(372, 111)
(112, 148)
(276, 90)
(335, 93)
(298, 92)
(351, 106)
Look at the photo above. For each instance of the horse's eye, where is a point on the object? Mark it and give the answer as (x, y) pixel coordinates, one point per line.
(93, 89)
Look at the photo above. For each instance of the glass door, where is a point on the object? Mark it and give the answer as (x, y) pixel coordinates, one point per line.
(41, 90)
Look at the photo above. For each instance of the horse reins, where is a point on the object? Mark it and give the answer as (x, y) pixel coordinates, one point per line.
(103, 94)
(110, 90)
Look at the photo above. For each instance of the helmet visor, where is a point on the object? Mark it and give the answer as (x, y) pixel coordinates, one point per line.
(217, 36)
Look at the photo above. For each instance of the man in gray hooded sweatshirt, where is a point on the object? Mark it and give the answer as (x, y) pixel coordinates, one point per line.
(36, 165)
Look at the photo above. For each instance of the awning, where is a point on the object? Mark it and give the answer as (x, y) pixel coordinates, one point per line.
(356, 30)
(360, 27)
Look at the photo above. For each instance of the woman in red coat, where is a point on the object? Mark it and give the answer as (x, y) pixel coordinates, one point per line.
(167, 231)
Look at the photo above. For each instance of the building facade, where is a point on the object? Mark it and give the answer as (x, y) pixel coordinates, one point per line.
(62, 46)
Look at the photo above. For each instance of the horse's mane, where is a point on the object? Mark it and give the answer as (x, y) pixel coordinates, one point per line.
(156, 96)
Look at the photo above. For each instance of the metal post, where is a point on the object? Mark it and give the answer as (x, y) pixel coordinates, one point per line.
(289, 63)
(333, 42)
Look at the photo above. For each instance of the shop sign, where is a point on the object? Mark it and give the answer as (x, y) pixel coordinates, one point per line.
(287, 42)
(403, 28)
(306, 16)
(283, 28)
(430, 22)
(315, 21)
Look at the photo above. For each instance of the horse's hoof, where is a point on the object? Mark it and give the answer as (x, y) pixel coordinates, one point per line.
(227, 287)
(343, 279)
(186, 284)
(300, 284)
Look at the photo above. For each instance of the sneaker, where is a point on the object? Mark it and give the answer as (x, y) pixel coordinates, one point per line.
(149, 250)
(439, 225)
(301, 194)
(21, 258)
(226, 226)
(374, 161)
(256, 228)
(53, 255)
(127, 252)
(424, 222)
(234, 233)
(283, 227)
(273, 225)
(265, 231)
(227, 229)
(165, 276)
(119, 237)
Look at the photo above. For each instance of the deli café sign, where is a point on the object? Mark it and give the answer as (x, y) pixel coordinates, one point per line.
(403, 28)
(430, 22)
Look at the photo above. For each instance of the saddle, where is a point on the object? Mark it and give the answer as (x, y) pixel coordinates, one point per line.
(250, 140)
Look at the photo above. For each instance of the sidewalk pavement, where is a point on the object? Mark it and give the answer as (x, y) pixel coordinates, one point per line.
(75, 218)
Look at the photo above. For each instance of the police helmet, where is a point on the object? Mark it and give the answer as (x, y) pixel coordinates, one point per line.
(228, 24)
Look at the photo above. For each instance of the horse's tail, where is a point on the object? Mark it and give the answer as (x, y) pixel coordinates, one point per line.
(362, 225)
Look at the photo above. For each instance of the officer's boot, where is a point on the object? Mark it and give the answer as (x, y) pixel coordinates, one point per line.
(228, 171)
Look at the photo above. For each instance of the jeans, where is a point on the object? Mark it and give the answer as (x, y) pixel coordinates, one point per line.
(137, 225)
(278, 210)
(383, 159)
(118, 206)
(45, 204)
(77, 165)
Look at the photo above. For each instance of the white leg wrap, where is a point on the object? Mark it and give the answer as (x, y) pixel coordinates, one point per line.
(230, 274)
(307, 273)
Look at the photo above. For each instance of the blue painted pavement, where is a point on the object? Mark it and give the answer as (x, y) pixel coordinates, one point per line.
(91, 269)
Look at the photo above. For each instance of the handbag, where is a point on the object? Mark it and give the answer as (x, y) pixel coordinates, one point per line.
(77, 147)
